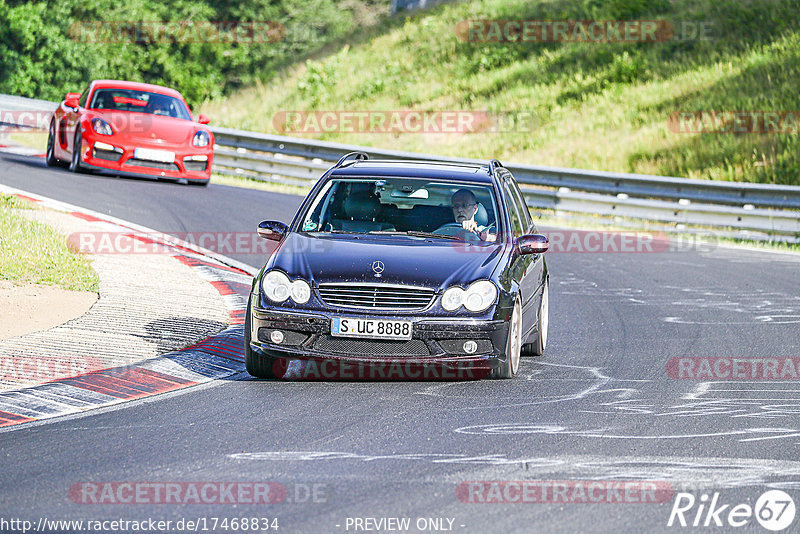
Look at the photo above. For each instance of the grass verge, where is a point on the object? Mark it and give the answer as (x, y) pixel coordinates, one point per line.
(592, 105)
(32, 252)
(37, 140)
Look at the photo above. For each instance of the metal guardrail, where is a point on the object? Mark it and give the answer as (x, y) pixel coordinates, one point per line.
(772, 210)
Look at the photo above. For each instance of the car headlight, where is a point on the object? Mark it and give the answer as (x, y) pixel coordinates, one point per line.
(201, 138)
(301, 291)
(480, 295)
(453, 298)
(477, 297)
(102, 127)
(277, 287)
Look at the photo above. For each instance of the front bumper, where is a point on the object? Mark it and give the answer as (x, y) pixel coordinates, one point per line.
(307, 336)
(123, 163)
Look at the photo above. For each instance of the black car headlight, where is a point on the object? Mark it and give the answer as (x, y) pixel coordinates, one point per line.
(477, 297)
(278, 288)
(201, 138)
(102, 127)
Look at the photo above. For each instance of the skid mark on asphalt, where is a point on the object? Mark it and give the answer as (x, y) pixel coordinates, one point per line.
(589, 390)
(702, 306)
(681, 472)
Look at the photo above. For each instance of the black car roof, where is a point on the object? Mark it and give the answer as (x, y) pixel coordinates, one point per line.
(415, 169)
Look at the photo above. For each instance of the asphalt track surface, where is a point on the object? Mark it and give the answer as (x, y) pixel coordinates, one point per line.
(599, 405)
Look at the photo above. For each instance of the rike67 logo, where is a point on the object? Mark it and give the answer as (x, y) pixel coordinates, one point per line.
(774, 510)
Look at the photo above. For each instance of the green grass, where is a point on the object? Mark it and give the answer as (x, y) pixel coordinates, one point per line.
(30, 139)
(31, 252)
(595, 106)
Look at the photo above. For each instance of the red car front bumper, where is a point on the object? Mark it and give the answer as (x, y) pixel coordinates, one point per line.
(104, 153)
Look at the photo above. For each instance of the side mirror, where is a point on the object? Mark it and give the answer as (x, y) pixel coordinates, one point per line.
(72, 99)
(202, 119)
(533, 244)
(272, 230)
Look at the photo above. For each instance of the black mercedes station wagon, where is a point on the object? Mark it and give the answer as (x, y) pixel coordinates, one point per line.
(402, 264)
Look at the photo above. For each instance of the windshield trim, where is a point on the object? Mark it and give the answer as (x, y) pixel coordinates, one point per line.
(310, 200)
(181, 104)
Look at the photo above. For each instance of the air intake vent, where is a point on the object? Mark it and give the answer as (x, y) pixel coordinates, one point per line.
(376, 296)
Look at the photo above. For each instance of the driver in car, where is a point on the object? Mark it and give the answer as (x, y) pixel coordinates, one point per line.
(465, 206)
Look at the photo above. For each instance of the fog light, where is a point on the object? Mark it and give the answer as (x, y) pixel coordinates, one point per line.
(276, 336)
(470, 347)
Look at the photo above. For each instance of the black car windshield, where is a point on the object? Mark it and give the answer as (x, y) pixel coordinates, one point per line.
(139, 101)
(413, 206)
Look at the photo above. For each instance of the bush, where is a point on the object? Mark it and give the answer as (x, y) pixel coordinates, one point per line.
(44, 53)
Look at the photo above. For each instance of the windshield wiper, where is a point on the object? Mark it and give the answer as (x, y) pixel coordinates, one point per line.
(332, 232)
(415, 233)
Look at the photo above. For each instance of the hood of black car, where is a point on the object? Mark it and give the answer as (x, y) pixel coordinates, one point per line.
(433, 263)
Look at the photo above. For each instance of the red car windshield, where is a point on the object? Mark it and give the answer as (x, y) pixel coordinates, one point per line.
(140, 102)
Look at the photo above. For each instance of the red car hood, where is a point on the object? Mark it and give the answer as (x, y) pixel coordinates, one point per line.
(149, 127)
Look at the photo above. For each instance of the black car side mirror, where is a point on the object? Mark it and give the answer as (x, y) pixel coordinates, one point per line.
(272, 230)
(533, 244)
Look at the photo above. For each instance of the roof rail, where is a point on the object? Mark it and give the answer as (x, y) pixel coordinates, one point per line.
(493, 164)
(357, 156)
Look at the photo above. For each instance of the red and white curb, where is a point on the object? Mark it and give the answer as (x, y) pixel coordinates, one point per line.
(213, 358)
(22, 150)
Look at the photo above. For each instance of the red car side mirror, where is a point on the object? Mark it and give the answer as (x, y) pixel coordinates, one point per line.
(72, 99)
(202, 119)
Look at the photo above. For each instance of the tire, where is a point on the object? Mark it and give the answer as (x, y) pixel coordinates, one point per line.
(542, 324)
(201, 183)
(257, 365)
(509, 367)
(75, 161)
(50, 156)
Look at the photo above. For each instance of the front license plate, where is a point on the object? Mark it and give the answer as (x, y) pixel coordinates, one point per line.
(162, 156)
(370, 328)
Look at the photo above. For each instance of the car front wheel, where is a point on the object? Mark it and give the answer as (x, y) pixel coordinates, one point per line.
(50, 155)
(536, 348)
(508, 368)
(75, 162)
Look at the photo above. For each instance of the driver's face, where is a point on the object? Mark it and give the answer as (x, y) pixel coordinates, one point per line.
(464, 208)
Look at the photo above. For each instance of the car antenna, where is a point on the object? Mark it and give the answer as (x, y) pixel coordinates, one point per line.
(357, 156)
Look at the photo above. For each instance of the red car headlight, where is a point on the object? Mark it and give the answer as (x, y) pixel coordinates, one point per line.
(201, 138)
(102, 127)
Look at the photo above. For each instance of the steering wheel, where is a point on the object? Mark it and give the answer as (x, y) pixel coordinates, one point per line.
(455, 229)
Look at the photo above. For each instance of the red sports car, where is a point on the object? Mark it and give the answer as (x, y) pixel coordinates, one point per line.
(131, 129)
